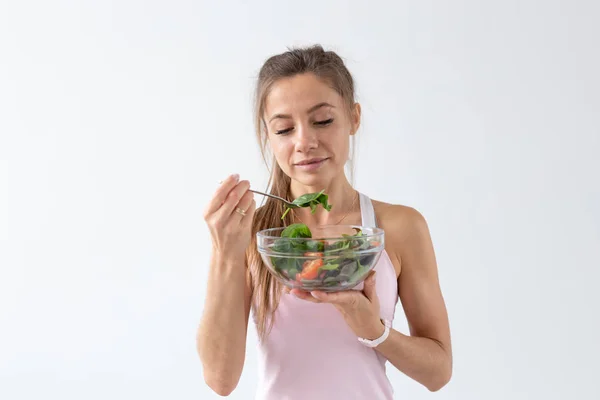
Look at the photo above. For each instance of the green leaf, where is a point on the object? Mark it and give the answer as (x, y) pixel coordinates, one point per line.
(289, 246)
(337, 246)
(323, 200)
(329, 267)
(360, 271)
(315, 246)
(348, 269)
(357, 241)
(292, 273)
(306, 199)
(284, 264)
(311, 200)
(296, 231)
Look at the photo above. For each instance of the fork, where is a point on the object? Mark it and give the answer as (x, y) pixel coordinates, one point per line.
(288, 203)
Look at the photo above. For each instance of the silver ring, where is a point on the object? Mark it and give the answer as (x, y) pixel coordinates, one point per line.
(240, 211)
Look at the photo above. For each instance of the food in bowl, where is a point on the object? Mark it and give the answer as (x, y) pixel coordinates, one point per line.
(329, 258)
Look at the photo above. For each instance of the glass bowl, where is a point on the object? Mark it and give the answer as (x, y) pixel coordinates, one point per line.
(333, 258)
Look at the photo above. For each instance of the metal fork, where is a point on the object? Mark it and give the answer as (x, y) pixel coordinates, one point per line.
(288, 203)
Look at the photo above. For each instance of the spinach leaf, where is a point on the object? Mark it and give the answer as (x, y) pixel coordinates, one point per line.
(337, 247)
(355, 242)
(360, 271)
(285, 264)
(287, 247)
(296, 231)
(329, 267)
(311, 200)
(315, 246)
(348, 270)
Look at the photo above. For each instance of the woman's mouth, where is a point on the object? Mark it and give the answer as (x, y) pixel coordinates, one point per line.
(311, 164)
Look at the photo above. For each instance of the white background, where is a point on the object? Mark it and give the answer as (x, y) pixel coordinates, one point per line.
(119, 118)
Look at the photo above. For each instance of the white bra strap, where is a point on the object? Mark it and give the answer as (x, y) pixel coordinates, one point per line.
(367, 211)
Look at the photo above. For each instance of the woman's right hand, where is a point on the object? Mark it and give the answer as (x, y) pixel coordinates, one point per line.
(229, 216)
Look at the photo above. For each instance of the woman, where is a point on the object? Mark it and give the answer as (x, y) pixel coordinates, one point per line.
(306, 115)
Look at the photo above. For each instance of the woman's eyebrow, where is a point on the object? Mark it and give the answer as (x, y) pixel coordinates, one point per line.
(310, 110)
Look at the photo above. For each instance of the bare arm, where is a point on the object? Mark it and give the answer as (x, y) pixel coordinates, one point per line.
(221, 339)
(221, 336)
(426, 354)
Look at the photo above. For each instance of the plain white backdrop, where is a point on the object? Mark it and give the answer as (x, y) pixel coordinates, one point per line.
(119, 118)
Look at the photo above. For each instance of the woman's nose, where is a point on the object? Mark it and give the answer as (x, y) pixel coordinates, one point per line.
(306, 139)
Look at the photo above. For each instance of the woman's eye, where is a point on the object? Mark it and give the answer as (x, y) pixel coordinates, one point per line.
(320, 123)
(326, 122)
(283, 131)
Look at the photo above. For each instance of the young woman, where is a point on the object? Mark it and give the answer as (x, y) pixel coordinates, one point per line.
(306, 115)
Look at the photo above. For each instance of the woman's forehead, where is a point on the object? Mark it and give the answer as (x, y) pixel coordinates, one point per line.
(298, 95)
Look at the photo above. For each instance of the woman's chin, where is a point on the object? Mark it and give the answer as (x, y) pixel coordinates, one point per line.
(320, 181)
(320, 178)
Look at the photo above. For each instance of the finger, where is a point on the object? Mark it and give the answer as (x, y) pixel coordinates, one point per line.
(370, 289)
(233, 198)
(221, 193)
(301, 294)
(343, 298)
(250, 212)
(243, 206)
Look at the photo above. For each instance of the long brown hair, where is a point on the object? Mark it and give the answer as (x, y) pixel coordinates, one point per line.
(330, 68)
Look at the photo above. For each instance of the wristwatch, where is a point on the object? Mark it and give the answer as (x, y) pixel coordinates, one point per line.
(380, 339)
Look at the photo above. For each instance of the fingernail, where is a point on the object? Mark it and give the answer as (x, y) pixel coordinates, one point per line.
(236, 177)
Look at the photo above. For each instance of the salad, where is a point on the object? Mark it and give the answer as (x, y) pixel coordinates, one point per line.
(301, 260)
(311, 200)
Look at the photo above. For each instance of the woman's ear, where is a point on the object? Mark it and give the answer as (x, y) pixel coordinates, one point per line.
(355, 116)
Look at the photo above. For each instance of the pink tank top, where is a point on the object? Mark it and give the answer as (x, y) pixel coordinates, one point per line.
(311, 353)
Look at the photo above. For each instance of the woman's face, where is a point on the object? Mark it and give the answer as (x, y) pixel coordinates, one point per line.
(309, 129)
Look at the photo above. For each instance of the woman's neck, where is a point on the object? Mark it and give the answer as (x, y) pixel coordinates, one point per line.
(341, 195)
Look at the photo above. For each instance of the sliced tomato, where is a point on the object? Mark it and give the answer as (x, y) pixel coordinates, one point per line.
(310, 268)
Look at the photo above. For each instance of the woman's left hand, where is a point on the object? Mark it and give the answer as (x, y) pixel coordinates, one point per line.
(360, 309)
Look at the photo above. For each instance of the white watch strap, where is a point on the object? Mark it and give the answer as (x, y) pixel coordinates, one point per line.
(379, 340)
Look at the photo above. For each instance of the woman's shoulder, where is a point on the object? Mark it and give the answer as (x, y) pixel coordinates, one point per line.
(405, 229)
(403, 224)
(398, 217)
